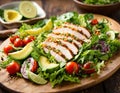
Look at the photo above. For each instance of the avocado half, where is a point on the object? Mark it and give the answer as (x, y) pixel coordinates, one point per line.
(12, 15)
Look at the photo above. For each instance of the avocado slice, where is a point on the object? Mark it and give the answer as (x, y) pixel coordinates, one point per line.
(22, 54)
(46, 65)
(47, 27)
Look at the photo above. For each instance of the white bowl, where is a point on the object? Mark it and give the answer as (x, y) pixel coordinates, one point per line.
(40, 15)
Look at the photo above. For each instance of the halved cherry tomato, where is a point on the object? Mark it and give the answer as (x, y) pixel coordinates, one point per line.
(7, 49)
(94, 22)
(13, 38)
(89, 67)
(72, 68)
(13, 68)
(28, 39)
(18, 42)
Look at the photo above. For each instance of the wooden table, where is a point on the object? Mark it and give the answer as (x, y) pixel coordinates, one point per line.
(57, 7)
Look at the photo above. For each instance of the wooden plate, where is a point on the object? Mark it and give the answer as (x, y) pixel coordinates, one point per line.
(22, 85)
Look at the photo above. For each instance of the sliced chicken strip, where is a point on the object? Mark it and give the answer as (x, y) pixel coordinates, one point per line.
(54, 54)
(81, 29)
(67, 44)
(69, 31)
(62, 49)
(71, 47)
(68, 38)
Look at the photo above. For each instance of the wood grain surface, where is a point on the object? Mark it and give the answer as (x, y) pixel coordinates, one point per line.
(57, 7)
(26, 86)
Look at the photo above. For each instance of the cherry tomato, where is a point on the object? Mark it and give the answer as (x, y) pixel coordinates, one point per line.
(89, 67)
(7, 49)
(72, 67)
(13, 68)
(18, 42)
(28, 39)
(35, 66)
(94, 22)
(13, 38)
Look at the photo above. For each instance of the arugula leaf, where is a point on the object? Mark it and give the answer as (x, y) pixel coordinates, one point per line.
(59, 76)
(35, 55)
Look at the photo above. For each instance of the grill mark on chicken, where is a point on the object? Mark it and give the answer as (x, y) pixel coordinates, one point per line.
(75, 29)
(55, 50)
(63, 49)
(83, 30)
(70, 35)
(59, 42)
(71, 32)
(57, 56)
(67, 39)
(62, 36)
(68, 44)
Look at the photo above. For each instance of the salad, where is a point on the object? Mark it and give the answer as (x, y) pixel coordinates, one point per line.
(63, 48)
(100, 2)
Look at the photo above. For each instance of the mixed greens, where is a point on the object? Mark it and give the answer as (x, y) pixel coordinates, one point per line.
(100, 2)
(92, 56)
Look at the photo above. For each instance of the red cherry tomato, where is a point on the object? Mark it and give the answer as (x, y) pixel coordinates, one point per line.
(13, 38)
(13, 68)
(35, 66)
(94, 22)
(89, 67)
(72, 67)
(7, 49)
(28, 39)
(18, 42)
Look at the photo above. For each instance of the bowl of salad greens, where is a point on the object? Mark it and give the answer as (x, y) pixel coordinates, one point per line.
(98, 6)
(64, 53)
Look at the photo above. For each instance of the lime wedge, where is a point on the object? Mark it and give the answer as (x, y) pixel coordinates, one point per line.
(27, 9)
(36, 78)
(47, 27)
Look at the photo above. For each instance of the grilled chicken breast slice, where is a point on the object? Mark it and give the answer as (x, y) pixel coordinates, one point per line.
(55, 55)
(61, 48)
(66, 39)
(71, 32)
(78, 28)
